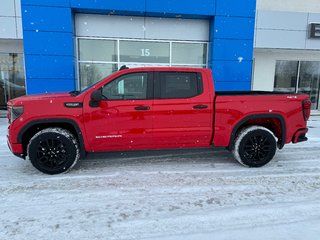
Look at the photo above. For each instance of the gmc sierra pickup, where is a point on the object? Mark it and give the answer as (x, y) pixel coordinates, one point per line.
(154, 108)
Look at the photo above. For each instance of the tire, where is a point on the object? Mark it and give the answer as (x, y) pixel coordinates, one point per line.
(53, 150)
(255, 146)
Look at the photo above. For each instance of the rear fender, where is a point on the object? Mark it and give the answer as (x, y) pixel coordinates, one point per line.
(255, 118)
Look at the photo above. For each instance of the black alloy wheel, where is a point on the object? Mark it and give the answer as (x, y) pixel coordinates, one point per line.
(53, 150)
(255, 146)
(52, 154)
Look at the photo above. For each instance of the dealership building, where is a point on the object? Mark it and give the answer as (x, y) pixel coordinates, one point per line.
(63, 45)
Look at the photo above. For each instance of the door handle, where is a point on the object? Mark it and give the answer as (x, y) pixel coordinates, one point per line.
(142, 108)
(200, 107)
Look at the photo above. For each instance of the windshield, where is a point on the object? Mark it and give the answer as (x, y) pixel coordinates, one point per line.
(87, 88)
(82, 91)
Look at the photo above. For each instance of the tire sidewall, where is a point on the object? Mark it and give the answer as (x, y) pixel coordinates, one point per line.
(244, 136)
(72, 151)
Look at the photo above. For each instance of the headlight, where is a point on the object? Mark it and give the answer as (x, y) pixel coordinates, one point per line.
(15, 112)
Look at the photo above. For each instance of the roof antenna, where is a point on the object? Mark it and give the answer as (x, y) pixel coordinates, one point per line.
(123, 67)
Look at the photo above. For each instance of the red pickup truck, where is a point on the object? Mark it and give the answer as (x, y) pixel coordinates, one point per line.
(154, 108)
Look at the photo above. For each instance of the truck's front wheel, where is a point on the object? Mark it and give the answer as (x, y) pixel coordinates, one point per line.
(255, 146)
(53, 150)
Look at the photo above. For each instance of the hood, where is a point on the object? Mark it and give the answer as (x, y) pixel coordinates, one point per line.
(37, 97)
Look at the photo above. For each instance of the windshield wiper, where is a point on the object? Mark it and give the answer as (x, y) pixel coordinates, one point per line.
(74, 93)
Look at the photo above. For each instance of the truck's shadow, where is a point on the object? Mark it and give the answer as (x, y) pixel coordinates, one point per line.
(155, 158)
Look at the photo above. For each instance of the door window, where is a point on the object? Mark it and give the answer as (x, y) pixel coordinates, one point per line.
(128, 87)
(179, 85)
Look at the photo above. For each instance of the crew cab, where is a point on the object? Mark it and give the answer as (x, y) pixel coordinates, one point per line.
(154, 108)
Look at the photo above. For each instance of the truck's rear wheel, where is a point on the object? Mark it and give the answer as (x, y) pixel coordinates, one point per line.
(255, 146)
(53, 150)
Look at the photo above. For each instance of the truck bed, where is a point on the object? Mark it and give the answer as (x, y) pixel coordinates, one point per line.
(235, 93)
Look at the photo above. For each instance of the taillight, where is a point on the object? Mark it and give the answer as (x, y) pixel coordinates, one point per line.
(306, 108)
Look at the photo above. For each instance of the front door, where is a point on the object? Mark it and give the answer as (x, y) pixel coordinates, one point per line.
(123, 121)
(182, 109)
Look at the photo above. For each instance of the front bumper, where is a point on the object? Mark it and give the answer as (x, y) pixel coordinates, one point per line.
(16, 149)
(300, 136)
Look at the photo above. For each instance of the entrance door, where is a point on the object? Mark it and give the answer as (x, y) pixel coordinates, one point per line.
(4, 79)
(12, 81)
(3, 98)
(182, 110)
(123, 121)
(309, 81)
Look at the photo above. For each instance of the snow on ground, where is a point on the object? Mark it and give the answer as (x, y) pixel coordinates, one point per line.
(176, 194)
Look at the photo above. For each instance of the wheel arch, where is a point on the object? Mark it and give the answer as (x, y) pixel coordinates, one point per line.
(31, 128)
(266, 120)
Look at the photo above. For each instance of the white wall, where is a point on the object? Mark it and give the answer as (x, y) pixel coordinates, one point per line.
(10, 19)
(312, 6)
(286, 30)
(265, 62)
(94, 25)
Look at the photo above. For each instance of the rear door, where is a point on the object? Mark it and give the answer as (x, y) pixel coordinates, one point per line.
(182, 110)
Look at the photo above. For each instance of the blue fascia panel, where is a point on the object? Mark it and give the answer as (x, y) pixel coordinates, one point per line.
(108, 12)
(232, 86)
(232, 50)
(55, 3)
(48, 43)
(174, 15)
(41, 66)
(123, 5)
(190, 7)
(35, 86)
(239, 8)
(233, 27)
(139, 14)
(51, 19)
(232, 71)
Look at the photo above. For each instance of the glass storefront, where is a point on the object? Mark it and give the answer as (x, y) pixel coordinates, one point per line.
(97, 58)
(299, 77)
(12, 78)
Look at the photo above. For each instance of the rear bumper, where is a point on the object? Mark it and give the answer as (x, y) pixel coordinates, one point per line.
(16, 149)
(300, 136)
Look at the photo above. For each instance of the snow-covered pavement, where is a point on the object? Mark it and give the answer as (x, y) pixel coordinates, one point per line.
(178, 194)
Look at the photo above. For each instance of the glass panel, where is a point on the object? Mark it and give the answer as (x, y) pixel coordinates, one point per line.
(189, 53)
(12, 80)
(144, 52)
(189, 66)
(138, 65)
(309, 81)
(178, 85)
(285, 79)
(97, 50)
(128, 87)
(91, 73)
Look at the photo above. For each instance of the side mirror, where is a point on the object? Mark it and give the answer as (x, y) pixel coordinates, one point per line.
(96, 97)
